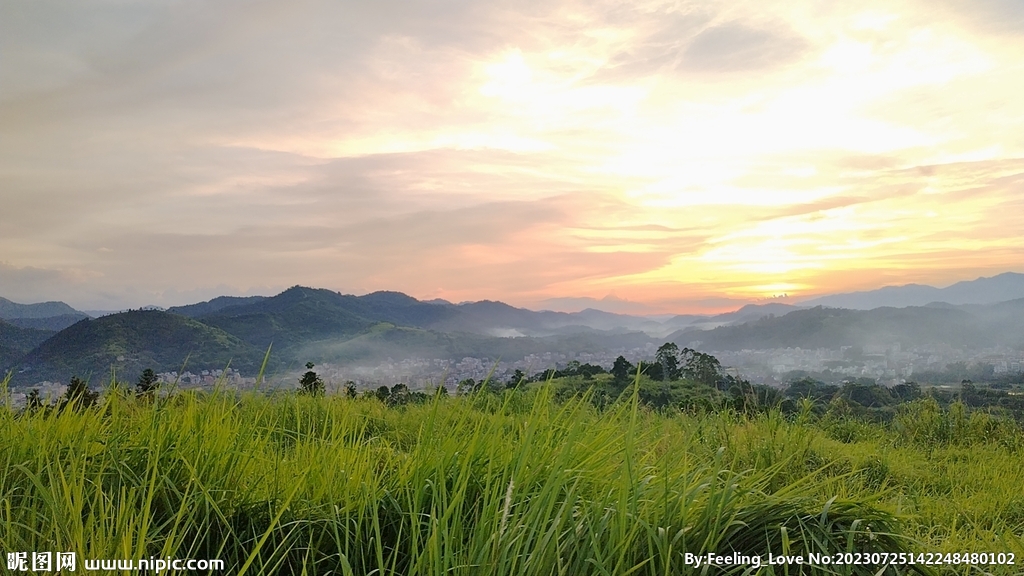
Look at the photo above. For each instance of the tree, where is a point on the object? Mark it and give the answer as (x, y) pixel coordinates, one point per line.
(869, 395)
(518, 377)
(588, 370)
(957, 369)
(311, 383)
(78, 395)
(907, 392)
(382, 393)
(350, 389)
(803, 388)
(466, 386)
(700, 367)
(399, 395)
(668, 357)
(653, 370)
(34, 401)
(147, 384)
(621, 370)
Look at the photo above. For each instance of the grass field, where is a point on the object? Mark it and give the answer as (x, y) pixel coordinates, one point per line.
(502, 484)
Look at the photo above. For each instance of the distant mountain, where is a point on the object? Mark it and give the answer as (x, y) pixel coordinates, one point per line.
(48, 316)
(129, 342)
(601, 320)
(440, 301)
(51, 323)
(610, 304)
(9, 310)
(307, 324)
(1001, 288)
(398, 308)
(819, 327)
(215, 305)
(748, 313)
(493, 318)
(292, 317)
(322, 325)
(300, 314)
(16, 341)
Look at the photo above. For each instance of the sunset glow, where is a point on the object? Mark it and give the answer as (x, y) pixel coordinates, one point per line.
(686, 157)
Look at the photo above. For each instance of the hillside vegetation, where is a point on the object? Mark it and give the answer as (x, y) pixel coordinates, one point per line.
(305, 324)
(132, 341)
(508, 483)
(16, 341)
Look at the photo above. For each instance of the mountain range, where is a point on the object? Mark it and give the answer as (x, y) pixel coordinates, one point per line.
(1000, 288)
(301, 324)
(53, 341)
(53, 316)
(971, 326)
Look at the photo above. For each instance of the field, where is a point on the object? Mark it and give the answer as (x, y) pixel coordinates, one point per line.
(510, 483)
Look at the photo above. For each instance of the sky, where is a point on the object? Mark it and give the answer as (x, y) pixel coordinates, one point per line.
(644, 157)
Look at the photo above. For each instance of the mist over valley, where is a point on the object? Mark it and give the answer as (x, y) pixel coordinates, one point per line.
(387, 338)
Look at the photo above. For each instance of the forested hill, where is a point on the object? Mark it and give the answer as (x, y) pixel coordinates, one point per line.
(129, 342)
(16, 341)
(306, 324)
(303, 324)
(292, 317)
(300, 314)
(215, 305)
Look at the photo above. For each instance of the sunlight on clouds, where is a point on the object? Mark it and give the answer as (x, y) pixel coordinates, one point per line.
(872, 20)
(775, 290)
(680, 193)
(497, 141)
(769, 256)
(509, 78)
(548, 94)
(502, 151)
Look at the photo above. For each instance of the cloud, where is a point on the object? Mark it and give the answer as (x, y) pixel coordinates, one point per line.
(734, 47)
(668, 152)
(988, 16)
(27, 285)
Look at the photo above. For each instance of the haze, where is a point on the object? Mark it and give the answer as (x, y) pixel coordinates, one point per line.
(661, 157)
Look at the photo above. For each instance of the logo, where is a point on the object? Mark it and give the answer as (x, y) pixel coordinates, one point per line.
(41, 561)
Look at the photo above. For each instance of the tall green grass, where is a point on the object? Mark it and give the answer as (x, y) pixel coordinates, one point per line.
(519, 484)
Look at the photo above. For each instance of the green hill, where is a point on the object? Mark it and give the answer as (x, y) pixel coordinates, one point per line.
(398, 308)
(131, 341)
(292, 317)
(16, 341)
(302, 314)
(303, 324)
(213, 306)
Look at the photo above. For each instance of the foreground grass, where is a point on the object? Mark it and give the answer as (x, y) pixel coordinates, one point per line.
(517, 484)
